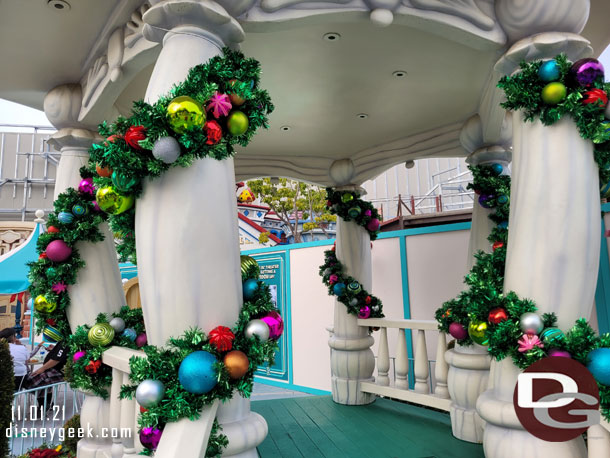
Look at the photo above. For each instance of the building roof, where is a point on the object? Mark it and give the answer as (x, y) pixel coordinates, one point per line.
(248, 221)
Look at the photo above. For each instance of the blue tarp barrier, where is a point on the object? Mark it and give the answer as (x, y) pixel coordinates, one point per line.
(13, 265)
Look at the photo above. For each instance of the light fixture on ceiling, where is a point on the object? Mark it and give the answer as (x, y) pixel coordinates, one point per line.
(399, 74)
(58, 5)
(331, 36)
(362, 115)
(285, 128)
(409, 164)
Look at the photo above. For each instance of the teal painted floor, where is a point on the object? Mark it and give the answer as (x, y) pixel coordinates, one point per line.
(315, 426)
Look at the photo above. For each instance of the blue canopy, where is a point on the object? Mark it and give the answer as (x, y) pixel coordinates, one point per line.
(13, 265)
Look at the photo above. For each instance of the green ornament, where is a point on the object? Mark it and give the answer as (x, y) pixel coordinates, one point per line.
(101, 334)
(347, 197)
(354, 287)
(249, 266)
(552, 336)
(185, 113)
(237, 123)
(110, 201)
(122, 182)
(477, 330)
(553, 93)
(354, 212)
(51, 272)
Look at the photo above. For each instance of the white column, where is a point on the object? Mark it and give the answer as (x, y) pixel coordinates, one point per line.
(188, 261)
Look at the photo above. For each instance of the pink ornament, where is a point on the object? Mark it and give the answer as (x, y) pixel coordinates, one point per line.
(141, 340)
(150, 437)
(96, 207)
(560, 353)
(333, 279)
(373, 225)
(529, 342)
(59, 288)
(367, 213)
(78, 355)
(458, 331)
(58, 251)
(275, 323)
(86, 187)
(219, 104)
(364, 312)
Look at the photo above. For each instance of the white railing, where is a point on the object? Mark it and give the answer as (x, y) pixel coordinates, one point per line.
(398, 387)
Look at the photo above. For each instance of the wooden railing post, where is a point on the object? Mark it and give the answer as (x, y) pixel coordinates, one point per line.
(421, 371)
(442, 368)
(401, 364)
(383, 359)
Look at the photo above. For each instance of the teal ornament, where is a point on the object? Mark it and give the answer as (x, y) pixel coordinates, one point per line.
(551, 337)
(549, 71)
(354, 287)
(197, 373)
(130, 334)
(123, 183)
(605, 191)
(497, 168)
(79, 210)
(354, 212)
(503, 225)
(51, 272)
(339, 289)
(502, 199)
(598, 363)
(65, 217)
(250, 288)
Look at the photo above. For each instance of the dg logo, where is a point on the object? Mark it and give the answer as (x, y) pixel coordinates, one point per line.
(557, 399)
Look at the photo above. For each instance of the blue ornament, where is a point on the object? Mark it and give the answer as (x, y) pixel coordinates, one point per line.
(549, 71)
(552, 337)
(497, 168)
(598, 362)
(65, 217)
(79, 210)
(338, 289)
(197, 374)
(503, 225)
(130, 334)
(250, 288)
(502, 199)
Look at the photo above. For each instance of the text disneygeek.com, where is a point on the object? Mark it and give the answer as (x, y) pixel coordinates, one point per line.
(63, 433)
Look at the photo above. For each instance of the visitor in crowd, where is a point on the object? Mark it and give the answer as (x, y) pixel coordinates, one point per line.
(20, 355)
(49, 373)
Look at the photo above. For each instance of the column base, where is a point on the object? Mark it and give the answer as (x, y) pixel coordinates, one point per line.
(244, 429)
(466, 424)
(94, 417)
(348, 392)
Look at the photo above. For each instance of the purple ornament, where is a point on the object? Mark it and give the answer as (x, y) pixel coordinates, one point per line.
(560, 353)
(58, 251)
(364, 312)
(486, 200)
(141, 340)
(333, 279)
(585, 72)
(78, 355)
(458, 331)
(373, 225)
(86, 187)
(275, 323)
(367, 213)
(150, 437)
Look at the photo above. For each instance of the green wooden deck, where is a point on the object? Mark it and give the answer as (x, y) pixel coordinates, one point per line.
(315, 426)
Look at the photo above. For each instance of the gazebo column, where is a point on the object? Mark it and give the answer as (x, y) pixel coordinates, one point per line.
(469, 365)
(553, 243)
(98, 287)
(351, 358)
(188, 263)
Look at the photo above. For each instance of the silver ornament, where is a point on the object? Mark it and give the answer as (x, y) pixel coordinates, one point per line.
(257, 328)
(353, 302)
(149, 393)
(531, 323)
(118, 324)
(166, 149)
(327, 272)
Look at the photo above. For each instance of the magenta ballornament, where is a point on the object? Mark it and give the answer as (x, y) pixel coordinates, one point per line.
(150, 437)
(585, 72)
(333, 279)
(78, 355)
(373, 225)
(364, 312)
(275, 323)
(141, 340)
(219, 105)
(458, 331)
(366, 213)
(96, 207)
(86, 187)
(58, 251)
(560, 353)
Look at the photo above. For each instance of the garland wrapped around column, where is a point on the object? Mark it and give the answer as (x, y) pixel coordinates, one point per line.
(507, 324)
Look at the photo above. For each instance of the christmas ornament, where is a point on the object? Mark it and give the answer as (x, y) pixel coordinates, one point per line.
(368, 300)
(497, 315)
(528, 342)
(86, 187)
(93, 366)
(446, 313)
(497, 245)
(333, 279)
(141, 340)
(275, 323)
(96, 207)
(222, 338)
(347, 197)
(502, 199)
(65, 217)
(100, 334)
(59, 287)
(497, 168)
(338, 289)
(477, 330)
(250, 288)
(237, 123)
(458, 331)
(166, 149)
(118, 324)
(598, 97)
(257, 328)
(150, 393)
(142, 409)
(79, 210)
(130, 334)
(553, 93)
(112, 202)
(42, 255)
(503, 225)
(51, 321)
(236, 100)
(52, 230)
(42, 305)
(598, 363)
(219, 105)
(354, 212)
(197, 373)
(237, 364)
(531, 323)
(354, 287)
(559, 353)
(51, 272)
(122, 182)
(58, 251)
(104, 172)
(549, 71)
(248, 265)
(150, 437)
(51, 334)
(184, 114)
(373, 225)
(213, 131)
(353, 302)
(552, 336)
(585, 72)
(112, 139)
(134, 135)
(364, 312)
(78, 355)
(486, 200)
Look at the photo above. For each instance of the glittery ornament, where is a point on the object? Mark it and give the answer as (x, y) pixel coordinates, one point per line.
(458, 331)
(197, 372)
(237, 123)
(166, 149)
(585, 72)
(338, 289)
(222, 338)
(58, 251)
(213, 132)
(86, 187)
(185, 113)
(219, 105)
(549, 71)
(150, 437)
(497, 315)
(528, 342)
(553, 93)
(531, 323)
(364, 312)
(275, 323)
(93, 366)
(150, 393)
(598, 363)
(134, 135)
(597, 97)
(237, 364)
(130, 334)
(477, 330)
(118, 324)
(257, 328)
(51, 273)
(101, 334)
(65, 217)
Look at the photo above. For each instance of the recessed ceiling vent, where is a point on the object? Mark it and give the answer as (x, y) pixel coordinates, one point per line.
(58, 5)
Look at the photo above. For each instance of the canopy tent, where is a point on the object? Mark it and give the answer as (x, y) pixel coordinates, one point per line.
(13, 265)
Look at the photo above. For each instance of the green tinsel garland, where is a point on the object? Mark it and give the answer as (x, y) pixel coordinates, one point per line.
(341, 202)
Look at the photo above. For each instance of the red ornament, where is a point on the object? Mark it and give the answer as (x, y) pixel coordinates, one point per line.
(596, 96)
(329, 203)
(497, 315)
(93, 366)
(497, 245)
(477, 192)
(105, 172)
(43, 255)
(222, 338)
(368, 300)
(52, 230)
(112, 139)
(142, 409)
(134, 135)
(213, 131)
(51, 322)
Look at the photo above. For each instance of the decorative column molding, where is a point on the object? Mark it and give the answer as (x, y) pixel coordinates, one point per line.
(544, 160)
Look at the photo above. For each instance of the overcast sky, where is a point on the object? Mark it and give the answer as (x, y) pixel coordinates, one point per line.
(13, 113)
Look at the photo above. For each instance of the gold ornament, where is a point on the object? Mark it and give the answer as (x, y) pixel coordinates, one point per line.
(185, 113)
(477, 330)
(237, 364)
(237, 123)
(246, 263)
(42, 305)
(110, 201)
(101, 334)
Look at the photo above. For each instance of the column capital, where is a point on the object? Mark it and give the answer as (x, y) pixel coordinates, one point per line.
(472, 136)
(342, 172)
(351, 187)
(489, 154)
